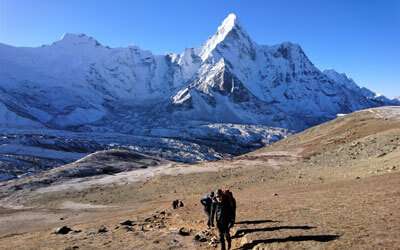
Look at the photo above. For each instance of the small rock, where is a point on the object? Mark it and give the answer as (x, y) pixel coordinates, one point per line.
(127, 223)
(275, 194)
(71, 248)
(184, 231)
(63, 230)
(358, 177)
(199, 237)
(214, 241)
(102, 229)
(380, 155)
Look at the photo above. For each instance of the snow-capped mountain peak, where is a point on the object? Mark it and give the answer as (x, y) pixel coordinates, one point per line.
(230, 29)
(78, 77)
(77, 39)
(80, 85)
(229, 23)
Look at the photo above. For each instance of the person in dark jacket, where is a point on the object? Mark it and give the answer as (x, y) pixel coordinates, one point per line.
(224, 216)
(208, 203)
(232, 203)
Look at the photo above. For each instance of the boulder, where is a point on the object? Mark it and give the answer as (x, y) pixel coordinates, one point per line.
(63, 230)
(184, 231)
(102, 229)
(127, 223)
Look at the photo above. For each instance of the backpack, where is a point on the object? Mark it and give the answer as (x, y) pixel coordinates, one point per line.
(228, 195)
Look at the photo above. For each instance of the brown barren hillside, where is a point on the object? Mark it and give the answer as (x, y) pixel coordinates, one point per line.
(333, 186)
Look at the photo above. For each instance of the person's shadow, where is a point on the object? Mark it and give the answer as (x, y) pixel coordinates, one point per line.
(255, 221)
(240, 232)
(319, 238)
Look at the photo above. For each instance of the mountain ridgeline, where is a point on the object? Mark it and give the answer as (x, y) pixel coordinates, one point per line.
(229, 96)
(77, 82)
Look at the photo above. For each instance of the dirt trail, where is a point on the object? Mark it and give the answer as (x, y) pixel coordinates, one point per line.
(355, 213)
(335, 186)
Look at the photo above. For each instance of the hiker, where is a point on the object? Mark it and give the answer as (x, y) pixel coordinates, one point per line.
(224, 216)
(175, 204)
(208, 203)
(232, 203)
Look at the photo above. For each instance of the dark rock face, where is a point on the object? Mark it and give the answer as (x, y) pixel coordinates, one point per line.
(229, 85)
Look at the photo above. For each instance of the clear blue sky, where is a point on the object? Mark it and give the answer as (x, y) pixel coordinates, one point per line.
(360, 38)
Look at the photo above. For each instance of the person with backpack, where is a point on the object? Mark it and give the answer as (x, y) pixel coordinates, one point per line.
(208, 203)
(225, 217)
(232, 203)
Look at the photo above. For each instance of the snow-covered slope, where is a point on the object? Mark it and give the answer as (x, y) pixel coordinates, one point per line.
(77, 81)
(231, 83)
(242, 82)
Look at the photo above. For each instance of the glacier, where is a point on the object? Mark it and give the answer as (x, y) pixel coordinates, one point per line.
(62, 101)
